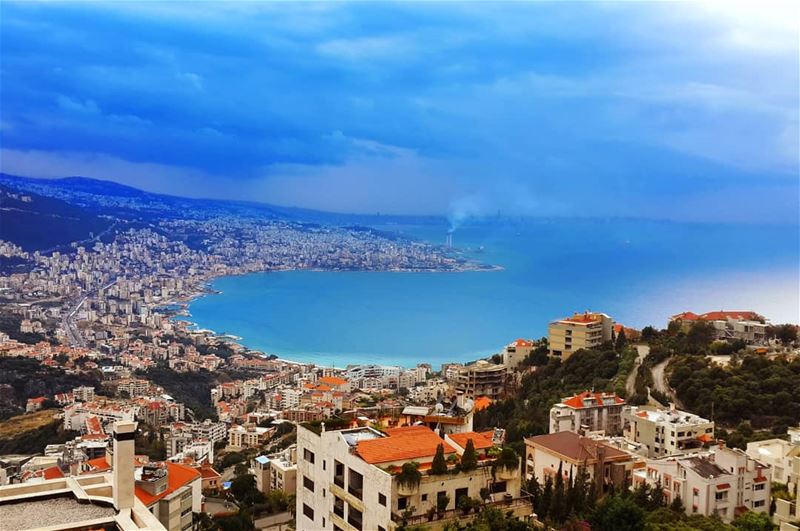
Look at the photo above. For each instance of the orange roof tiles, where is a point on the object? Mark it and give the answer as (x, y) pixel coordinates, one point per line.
(177, 477)
(583, 318)
(333, 380)
(481, 440)
(579, 401)
(52, 473)
(402, 444)
(98, 464)
(523, 343)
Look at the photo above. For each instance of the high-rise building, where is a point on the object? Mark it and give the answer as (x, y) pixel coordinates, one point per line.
(581, 331)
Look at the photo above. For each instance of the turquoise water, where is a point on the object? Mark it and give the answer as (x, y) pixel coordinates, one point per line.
(638, 272)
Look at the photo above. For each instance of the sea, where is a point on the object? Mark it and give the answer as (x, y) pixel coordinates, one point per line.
(639, 272)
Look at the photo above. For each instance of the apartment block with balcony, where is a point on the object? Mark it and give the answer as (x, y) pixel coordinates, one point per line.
(663, 432)
(581, 331)
(277, 471)
(724, 482)
(347, 479)
(588, 412)
(787, 512)
(482, 379)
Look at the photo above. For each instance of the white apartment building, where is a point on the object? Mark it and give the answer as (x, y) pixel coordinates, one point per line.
(778, 454)
(83, 393)
(588, 412)
(345, 479)
(482, 379)
(787, 513)
(76, 415)
(517, 351)
(663, 432)
(725, 482)
(581, 331)
(745, 325)
(213, 431)
(277, 471)
(248, 436)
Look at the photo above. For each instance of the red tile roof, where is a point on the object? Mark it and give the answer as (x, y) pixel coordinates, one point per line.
(333, 380)
(98, 464)
(52, 473)
(402, 444)
(523, 343)
(177, 476)
(481, 440)
(579, 401)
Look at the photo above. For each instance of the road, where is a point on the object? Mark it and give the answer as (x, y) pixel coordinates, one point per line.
(661, 384)
(74, 335)
(630, 383)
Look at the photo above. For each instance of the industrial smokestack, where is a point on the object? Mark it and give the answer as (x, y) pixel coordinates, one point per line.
(123, 474)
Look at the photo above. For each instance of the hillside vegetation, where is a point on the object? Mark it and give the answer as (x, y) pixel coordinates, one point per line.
(31, 432)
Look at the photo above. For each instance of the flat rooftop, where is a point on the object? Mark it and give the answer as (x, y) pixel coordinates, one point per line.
(34, 514)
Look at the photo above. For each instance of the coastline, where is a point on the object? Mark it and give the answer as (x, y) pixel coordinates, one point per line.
(205, 289)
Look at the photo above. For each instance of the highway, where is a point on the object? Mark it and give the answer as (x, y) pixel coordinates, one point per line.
(69, 324)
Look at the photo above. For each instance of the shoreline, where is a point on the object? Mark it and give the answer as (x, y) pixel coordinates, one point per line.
(183, 301)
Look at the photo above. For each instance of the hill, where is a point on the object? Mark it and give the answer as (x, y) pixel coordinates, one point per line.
(31, 432)
(39, 223)
(109, 198)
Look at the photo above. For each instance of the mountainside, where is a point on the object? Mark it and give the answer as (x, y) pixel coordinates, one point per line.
(110, 198)
(35, 222)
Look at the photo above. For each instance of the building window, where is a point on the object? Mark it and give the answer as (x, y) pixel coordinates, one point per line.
(338, 507)
(355, 484)
(324, 464)
(760, 486)
(308, 455)
(498, 486)
(424, 497)
(759, 503)
(308, 483)
(338, 474)
(402, 503)
(382, 499)
(308, 512)
(354, 517)
(721, 495)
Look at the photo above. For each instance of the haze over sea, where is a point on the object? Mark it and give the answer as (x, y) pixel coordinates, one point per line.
(639, 272)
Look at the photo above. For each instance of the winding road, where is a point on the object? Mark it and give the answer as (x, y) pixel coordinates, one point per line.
(630, 383)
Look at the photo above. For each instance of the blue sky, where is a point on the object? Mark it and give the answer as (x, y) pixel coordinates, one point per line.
(663, 110)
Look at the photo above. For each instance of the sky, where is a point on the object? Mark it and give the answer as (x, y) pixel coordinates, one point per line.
(684, 111)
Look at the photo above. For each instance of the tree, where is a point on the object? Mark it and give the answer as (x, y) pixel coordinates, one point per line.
(535, 490)
(649, 334)
(618, 513)
(558, 505)
(677, 505)
(622, 341)
(469, 459)
(547, 499)
(439, 465)
(442, 502)
(409, 476)
(751, 521)
(786, 334)
(700, 336)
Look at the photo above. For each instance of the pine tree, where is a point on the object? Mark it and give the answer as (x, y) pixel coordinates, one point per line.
(621, 341)
(657, 497)
(535, 490)
(558, 504)
(469, 459)
(591, 496)
(547, 499)
(439, 465)
(581, 490)
(569, 502)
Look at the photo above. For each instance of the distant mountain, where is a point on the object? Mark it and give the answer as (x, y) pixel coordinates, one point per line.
(108, 197)
(35, 222)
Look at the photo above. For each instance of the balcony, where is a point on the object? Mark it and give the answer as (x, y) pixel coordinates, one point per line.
(521, 507)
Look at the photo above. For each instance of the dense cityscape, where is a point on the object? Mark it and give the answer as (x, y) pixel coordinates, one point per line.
(399, 266)
(103, 380)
